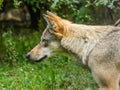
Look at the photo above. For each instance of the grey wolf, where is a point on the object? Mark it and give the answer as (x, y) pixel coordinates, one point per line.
(97, 46)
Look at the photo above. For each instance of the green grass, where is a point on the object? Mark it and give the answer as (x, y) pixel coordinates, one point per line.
(60, 72)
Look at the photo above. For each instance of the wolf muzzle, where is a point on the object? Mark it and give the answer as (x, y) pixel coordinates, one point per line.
(28, 56)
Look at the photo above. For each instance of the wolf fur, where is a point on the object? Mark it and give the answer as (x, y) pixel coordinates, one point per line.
(97, 46)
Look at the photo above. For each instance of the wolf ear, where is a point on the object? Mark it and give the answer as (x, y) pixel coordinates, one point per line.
(47, 20)
(52, 15)
(54, 22)
(51, 18)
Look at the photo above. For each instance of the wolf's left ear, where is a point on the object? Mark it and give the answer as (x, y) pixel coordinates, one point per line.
(54, 22)
(51, 18)
(52, 15)
(47, 20)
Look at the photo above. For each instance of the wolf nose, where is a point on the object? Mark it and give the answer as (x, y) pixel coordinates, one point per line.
(28, 56)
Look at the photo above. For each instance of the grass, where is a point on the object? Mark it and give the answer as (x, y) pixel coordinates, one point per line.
(60, 72)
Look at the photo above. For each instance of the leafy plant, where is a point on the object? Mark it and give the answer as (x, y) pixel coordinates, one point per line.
(108, 3)
(9, 43)
(81, 11)
(1, 4)
(17, 3)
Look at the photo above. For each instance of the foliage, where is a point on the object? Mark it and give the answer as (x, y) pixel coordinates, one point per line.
(17, 3)
(108, 3)
(75, 9)
(1, 4)
(79, 11)
(11, 54)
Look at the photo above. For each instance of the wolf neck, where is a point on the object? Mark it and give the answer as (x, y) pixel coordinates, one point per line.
(79, 46)
(82, 39)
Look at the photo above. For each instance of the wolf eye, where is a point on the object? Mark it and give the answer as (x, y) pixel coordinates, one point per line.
(45, 43)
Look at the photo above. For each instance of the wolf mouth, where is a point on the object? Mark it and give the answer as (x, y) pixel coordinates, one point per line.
(41, 58)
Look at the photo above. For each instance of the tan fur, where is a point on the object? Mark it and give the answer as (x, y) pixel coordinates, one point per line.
(97, 46)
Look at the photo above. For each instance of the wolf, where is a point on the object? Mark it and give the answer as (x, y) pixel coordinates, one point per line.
(98, 47)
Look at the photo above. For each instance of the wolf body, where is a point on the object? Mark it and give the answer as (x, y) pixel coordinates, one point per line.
(97, 46)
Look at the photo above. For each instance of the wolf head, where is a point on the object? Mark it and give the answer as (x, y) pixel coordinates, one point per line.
(50, 39)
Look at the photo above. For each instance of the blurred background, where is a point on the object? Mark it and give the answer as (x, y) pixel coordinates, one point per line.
(21, 24)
